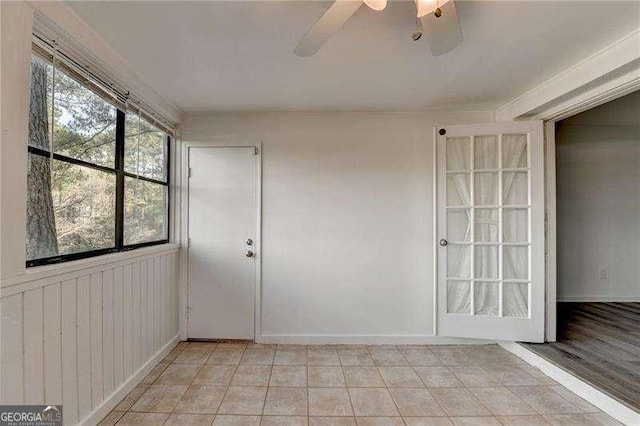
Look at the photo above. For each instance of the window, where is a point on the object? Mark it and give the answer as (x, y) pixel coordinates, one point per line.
(98, 177)
(145, 190)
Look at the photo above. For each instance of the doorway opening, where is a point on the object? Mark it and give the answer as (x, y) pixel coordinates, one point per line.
(598, 249)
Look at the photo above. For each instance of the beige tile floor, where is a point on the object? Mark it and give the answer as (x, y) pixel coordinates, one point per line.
(253, 384)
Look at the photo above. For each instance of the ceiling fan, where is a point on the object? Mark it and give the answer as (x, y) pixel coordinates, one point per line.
(439, 20)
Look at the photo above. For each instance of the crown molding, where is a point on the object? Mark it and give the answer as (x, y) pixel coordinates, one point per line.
(610, 73)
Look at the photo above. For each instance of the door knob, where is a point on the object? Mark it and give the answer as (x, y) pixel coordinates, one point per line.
(443, 242)
(249, 253)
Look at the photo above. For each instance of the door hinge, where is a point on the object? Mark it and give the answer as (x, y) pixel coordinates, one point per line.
(189, 174)
(188, 242)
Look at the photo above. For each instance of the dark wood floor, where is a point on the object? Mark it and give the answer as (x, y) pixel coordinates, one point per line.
(600, 343)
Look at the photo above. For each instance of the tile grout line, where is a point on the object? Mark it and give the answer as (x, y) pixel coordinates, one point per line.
(226, 390)
(266, 392)
(389, 390)
(306, 372)
(192, 380)
(423, 382)
(177, 346)
(226, 386)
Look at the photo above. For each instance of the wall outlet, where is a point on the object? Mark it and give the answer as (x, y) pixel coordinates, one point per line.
(604, 274)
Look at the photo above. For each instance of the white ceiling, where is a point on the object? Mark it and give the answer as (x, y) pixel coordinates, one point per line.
(237, 55)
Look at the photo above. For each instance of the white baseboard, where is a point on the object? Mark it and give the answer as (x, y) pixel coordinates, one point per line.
(321, 339)
(116, 396)
(627, 299)
(604, 402)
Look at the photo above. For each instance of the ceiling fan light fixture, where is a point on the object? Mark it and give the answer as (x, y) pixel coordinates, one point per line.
(425, 7)
(376, 5)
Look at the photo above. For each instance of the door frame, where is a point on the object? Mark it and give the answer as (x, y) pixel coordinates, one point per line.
(550, 231)
(551, 116)
(184, 231)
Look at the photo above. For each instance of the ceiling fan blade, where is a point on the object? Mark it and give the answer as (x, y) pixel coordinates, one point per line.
(328, 24)
(443, 33)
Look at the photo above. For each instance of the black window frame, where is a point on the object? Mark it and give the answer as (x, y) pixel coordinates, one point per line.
(120, 175)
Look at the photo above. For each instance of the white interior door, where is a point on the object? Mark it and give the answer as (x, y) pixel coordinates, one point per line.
(491, 231)
(222, 242)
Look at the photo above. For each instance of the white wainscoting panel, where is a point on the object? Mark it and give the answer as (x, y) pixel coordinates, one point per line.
(80, 338)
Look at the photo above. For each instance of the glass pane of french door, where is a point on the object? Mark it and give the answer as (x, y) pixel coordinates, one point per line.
(488, 213)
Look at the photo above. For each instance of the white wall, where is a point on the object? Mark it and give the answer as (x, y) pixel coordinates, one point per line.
(347, 239)
(598, 195)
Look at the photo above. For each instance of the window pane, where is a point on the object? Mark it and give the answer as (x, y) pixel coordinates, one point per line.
(486, 225)
(458, 189)
(458, 297)
(145, 149)
(515, 226)
(84, 124)
(514, 151)
(145, 211)
(70, 208)
(485, 155)
(486, 298)
(458, 153)
(458, 228)
(516, 299)
(486, 262)
(458, 261)
(515, 188)
(515, 261)
(40, 103)
(485, 189)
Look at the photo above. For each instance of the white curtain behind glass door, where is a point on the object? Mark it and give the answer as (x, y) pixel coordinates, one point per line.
(458, 225)
(488, 197)
(486, 224)
(515, 224)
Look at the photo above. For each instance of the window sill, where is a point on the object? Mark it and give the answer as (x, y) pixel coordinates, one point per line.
(46, 272)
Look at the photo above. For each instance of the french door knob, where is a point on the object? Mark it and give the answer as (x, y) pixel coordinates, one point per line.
(249, 253)
(443, 242)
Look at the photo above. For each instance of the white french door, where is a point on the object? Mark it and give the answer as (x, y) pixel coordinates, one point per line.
(490, 224)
